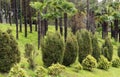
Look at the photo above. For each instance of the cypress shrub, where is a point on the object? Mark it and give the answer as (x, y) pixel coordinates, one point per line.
(103, 63)
(9, 52)
(52, 49)
(116, 62)
(109, 46)
(30, 54)
(85, 44)
(96, 49)
(119, 51)
(89, 63)
(71, 49)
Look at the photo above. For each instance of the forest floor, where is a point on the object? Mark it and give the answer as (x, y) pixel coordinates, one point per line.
(69, 72)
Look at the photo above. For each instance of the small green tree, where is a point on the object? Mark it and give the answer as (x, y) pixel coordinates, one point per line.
(109, 46)
(96, 49)
(89, 63)
(85, 44)
(71, 50)
(52, 49)
(9, 52)
(30, 54)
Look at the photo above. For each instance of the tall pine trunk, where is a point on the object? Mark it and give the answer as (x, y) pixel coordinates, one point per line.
(116, 29)
(25, 16)
(16, 18)
(65, 26)
(30, 17)
(60, 24)
(39, 29)
(104, 30)
(20, 5)
(56, 24)
(0, 11)
(10, 22)
(46, 25)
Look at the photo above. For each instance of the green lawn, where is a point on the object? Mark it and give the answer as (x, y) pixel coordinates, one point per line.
(32, 38)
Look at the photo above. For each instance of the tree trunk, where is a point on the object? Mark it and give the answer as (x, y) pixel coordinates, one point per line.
(39, 29)
(56, 24)
(65, 26)
(116, 29)
(119, 35)
(87, 15)
(0, 12)
(16, 18)
(6, 10)
(30, 18)
(60, 24)
(10, 22)
(104, 30)
(20, 5)
(46, 25)
(25, 17)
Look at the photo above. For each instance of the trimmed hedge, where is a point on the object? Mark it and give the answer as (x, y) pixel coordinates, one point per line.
(9, 52)
(85, 44)
(71, 49)
(52, 47)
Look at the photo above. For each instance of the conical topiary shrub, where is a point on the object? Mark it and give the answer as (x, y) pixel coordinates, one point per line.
(9, 52)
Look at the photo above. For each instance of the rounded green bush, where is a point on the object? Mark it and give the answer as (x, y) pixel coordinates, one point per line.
(116, 62)
(56, 69)
(89, 63)
(96, 49)
(9, 52)
(103, 63)
(40, 71)
(52, 49)
(85, 44)
(109, 46)
(71, 49)
(119, 51)
(17, 71)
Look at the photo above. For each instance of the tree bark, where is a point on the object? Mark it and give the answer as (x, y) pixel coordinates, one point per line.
(30, 18)
(39, 29)
(20, 5)
(56, 24)
(116, 29)
(25, 17)
(46, 25)
(65, 26)
(104, 30)
(16, 19)
(60, 24)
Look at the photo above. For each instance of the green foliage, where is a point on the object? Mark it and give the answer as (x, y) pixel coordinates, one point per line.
(16, 71)
(116, 62)
(41, 71)
(71, 49)
(108, 46)
(103, 63)
(89, 63)
(9, 52)
(30, 54)
(9, 31)
(85, 44)
(56, 69)
(96, 49)
(52, 49)
(77, 66)
(119, 51)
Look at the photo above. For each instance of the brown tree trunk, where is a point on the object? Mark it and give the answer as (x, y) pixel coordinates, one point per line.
(65, 26)
(56, 24)
(39, 29)
(104, 30)
(20, 5)
(116, 29)
(60, 24)
(16, 18)
(46, 25)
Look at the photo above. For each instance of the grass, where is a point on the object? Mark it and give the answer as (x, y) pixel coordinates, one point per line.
(32, 38)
